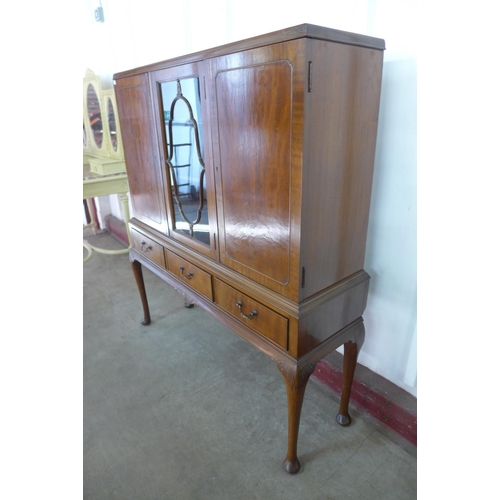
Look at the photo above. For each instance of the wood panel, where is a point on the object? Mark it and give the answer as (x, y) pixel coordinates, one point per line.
(148, 247)
(190, 274)
(141, 150)
(328, 318)
(339, 153)
(252, 314)
(254, 109)
(258, 107)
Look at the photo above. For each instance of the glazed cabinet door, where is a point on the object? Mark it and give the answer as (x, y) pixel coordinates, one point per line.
(141, 150)
(182, 129)
(257, 103)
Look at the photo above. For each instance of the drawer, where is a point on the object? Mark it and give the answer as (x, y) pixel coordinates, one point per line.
(148, 247)
(190, 274)
(252, 313)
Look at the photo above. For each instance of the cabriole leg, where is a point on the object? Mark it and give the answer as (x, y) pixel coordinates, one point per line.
(351, 351)
(296, 379)
(137, 269)
(350, 359)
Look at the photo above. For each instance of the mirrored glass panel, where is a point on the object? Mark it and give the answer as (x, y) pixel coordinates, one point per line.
(184, 156)
(94, 111)
(112, 124)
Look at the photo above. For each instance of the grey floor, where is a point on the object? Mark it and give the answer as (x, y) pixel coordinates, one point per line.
(186, 409)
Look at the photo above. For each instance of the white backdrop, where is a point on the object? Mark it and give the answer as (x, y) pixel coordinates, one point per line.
(138, 33)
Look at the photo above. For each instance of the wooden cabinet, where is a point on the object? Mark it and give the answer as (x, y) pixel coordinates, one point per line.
(251, 165)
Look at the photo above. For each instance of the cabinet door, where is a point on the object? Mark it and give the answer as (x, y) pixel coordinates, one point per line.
(182, 128)
(141, 150)
(258, 98)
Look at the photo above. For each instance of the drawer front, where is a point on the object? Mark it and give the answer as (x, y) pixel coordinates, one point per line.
(190, 274)
(252, 313)
(148, 247)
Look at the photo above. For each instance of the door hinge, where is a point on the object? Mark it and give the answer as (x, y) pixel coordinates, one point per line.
(309, 77)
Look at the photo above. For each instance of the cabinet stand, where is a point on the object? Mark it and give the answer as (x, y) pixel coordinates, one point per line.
(296, 374)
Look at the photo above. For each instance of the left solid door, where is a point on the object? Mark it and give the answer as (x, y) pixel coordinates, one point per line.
(141, 150)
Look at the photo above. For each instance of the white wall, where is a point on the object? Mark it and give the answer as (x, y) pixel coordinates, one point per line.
(138, 33)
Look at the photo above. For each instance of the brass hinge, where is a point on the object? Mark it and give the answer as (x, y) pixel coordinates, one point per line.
(309, 77)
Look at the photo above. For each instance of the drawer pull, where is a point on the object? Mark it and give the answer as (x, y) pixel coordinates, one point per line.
(239, 305)
(187, 276)
(145, 247)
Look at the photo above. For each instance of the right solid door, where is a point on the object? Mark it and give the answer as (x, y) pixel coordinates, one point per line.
(257, 101)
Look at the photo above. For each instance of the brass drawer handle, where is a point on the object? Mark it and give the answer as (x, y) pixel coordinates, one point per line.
(187, 276)
(239, 305)
(145, 247)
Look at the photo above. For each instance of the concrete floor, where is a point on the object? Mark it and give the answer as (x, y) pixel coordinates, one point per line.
(186, 409)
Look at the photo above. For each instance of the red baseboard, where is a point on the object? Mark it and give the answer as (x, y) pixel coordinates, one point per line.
(379, 406)
(116, 228)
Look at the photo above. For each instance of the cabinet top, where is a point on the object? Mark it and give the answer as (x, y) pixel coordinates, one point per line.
(292, 33)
